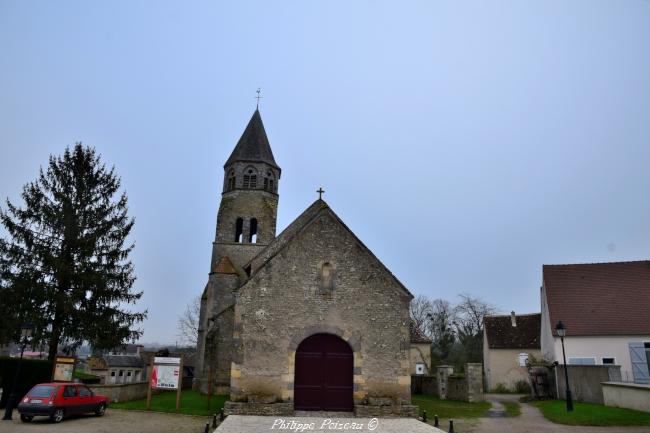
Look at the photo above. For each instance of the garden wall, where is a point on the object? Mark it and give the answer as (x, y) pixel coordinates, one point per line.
(118, 393)
(586, 381)
(627, 395)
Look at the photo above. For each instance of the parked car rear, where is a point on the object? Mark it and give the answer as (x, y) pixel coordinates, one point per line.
(58, 400)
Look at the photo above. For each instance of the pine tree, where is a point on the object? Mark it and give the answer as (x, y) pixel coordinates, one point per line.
(64, 265)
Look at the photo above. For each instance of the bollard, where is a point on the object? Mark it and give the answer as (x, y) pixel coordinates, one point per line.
(214, 421)
(207, 427)
(221, 416)
(435, 421)
(424, 416)
(451, 426)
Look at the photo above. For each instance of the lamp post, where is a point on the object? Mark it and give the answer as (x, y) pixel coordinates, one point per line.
(25, 332)
(561, 332)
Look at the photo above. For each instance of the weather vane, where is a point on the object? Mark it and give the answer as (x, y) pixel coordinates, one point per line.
(258, 97)
(320, 192)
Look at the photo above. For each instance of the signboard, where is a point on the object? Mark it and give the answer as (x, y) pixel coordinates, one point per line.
(165, 376)
(63, 369)
(166, 373)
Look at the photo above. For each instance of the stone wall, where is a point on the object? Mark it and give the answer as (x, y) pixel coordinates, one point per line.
(117, 393)
(466, 387)
(283, 303)
(426, 385)
(586, 381)
(628, 395)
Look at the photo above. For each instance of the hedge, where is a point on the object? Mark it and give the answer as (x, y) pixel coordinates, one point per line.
(32, 371)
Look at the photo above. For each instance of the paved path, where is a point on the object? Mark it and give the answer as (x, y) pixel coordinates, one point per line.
(259, 424)
(532, 421)
(115, 421)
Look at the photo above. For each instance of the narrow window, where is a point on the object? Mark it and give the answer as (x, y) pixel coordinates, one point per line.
(327, 277)
(271, 185)
(253, 181)
(609, 361)
(247, 180)
(239, 229)
(231, 181)
(252, 238)
(266, 184)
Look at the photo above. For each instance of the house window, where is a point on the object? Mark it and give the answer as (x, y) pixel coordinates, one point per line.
(647, 354)
(609, 361)
(121, 373)
(419, 368)
(523, 358)
(112, 374)
(582, 361)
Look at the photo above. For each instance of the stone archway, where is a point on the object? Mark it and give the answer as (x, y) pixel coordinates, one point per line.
(324, 368)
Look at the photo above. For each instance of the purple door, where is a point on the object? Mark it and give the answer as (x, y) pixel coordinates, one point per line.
(323, 380)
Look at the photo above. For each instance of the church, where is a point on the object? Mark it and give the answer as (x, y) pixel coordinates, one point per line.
(309, 319)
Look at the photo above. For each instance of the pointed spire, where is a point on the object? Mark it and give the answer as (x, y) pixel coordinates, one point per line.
(253, 146)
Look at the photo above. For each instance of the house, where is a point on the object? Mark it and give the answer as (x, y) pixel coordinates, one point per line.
(604, 307)
(508, 343)
(420, 353)
(120, 365)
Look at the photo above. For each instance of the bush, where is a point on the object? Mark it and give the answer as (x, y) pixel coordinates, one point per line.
(32, 372)
(500, 389)
(522, 387)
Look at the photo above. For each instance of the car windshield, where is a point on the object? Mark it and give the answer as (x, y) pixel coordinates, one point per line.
(41, 391)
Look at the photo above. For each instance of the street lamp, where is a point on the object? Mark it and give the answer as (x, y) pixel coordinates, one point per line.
(25, 332)
(561, 332)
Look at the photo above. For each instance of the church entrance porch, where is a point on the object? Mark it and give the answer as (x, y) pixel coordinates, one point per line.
(323, 374)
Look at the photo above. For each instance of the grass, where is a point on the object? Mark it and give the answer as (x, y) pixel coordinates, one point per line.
(449, 408)
(512, 408)
(591, 414)
(83, 375)
(192, 403)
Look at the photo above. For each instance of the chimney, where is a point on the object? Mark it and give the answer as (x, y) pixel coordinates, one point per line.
(513, 319)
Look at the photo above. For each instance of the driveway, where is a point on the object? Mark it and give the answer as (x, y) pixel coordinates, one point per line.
(115, 421)
(531, 420)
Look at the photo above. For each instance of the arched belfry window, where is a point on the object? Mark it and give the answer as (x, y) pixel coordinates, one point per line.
(231, 181)
(252, 234)
(269, 183)
(239, 230)
(250, 178)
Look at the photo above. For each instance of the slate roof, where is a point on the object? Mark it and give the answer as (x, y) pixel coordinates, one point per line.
(599, 298)
(417, 336)
(502, 335)
(123, 361)
(288, 234)
(253, 146)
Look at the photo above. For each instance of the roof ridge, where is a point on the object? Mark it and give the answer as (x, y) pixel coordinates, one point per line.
(597, 263)
(510, 315)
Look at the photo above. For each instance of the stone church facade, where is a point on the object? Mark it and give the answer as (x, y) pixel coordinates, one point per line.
(309, 319)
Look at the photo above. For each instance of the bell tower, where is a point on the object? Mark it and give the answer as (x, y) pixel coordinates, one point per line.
(249, 201)
(245, 225)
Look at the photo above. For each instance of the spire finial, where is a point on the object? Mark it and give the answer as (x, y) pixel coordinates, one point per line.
(258, 97)
(320, 192)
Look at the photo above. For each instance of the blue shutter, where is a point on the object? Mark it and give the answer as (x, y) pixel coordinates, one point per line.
(639, 363)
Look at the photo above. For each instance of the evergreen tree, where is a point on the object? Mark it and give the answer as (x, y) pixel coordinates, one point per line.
(64, 265)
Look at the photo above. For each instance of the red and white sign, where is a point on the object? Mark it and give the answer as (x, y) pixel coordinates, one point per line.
(167, 374)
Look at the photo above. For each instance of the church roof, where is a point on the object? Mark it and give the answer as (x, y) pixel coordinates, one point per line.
(253, 146)
(293, 230)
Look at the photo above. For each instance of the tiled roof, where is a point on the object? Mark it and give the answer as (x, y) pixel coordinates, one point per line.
(123, 361)
(502, 335)
(253, 145)
(599, 298)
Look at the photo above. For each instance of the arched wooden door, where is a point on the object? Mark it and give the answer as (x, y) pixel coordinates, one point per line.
(324, 368)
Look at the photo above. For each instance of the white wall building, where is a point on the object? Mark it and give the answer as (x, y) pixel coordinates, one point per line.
(605, 308)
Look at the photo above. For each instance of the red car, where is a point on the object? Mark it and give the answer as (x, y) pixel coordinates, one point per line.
(58, 400)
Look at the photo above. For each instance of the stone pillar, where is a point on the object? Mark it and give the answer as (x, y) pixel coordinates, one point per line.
(443, 373)
(474, 378)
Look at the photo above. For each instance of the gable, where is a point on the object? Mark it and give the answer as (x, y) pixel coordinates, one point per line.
(310, 224)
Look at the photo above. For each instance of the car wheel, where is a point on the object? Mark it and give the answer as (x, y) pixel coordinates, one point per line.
(26, 418)
(57, 416)
(101, 409)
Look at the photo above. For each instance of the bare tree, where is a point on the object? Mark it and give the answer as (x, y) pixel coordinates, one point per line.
(188, 322)
(421, 310)
(470, 312)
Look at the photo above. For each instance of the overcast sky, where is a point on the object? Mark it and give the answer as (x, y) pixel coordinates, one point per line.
(465, 142)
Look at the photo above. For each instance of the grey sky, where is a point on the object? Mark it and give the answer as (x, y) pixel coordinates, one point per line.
(465, 142)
